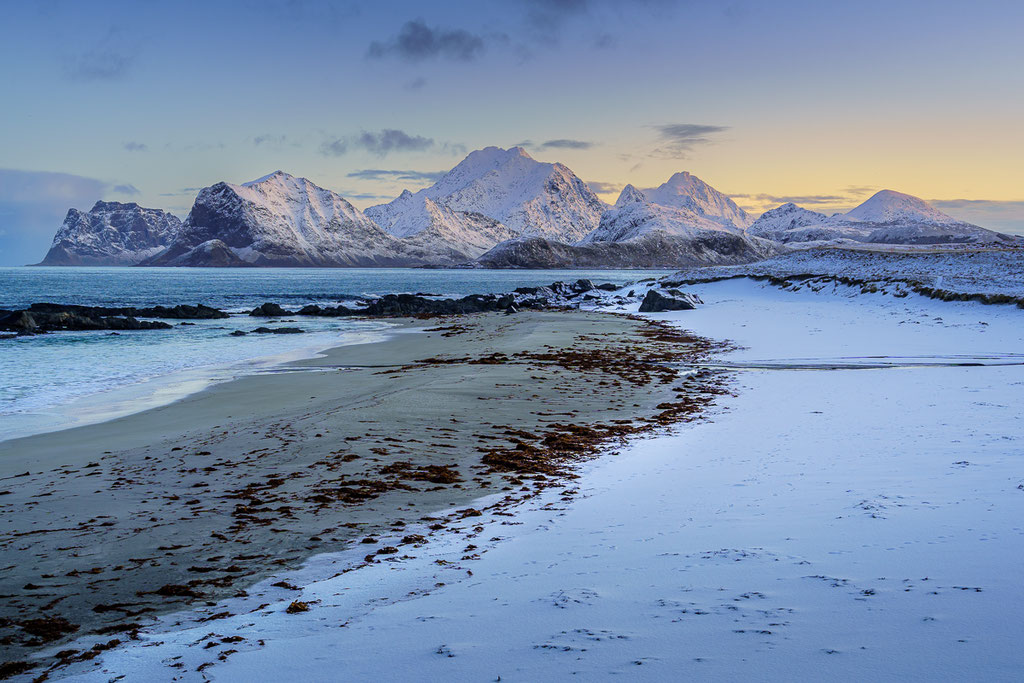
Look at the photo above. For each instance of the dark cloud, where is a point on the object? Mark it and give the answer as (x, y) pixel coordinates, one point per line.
(110, 59)
(133, 146)
(417, 42)
(604, 188)
(416, 83)
(381, 143)
(679, 138)
(390, 140)
(397, 175)
(563, 143)
(126, 189)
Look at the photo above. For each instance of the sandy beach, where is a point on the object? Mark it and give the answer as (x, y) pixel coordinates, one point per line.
(196, 500)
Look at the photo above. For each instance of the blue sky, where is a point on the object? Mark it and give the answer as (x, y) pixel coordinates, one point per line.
(768, 101)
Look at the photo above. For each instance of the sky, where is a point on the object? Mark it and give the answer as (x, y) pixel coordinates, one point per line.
(821, 103)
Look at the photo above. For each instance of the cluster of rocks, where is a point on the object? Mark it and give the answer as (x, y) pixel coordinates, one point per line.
(555, 295)
(48, 317)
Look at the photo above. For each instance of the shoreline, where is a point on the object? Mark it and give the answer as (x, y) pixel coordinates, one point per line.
(247, 477)
(146, 393)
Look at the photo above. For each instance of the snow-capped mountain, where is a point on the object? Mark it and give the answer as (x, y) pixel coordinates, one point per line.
(686, 191)
(684, 222)
(111, 234)
(419, 220)
(280, 220)
(887, 217)
(526, 196)
(889, 206)
(785, 221)
(682, 207)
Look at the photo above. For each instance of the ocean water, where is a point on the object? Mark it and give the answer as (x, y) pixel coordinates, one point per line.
(64, 379)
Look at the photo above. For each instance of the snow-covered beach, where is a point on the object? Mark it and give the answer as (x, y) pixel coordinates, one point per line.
(846, 524)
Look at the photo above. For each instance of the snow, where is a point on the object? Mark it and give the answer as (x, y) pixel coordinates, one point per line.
(526, 196)
(112, 233)
(686, 191)
(887, 217)
(684, 206)
(850, 524)
(889, 206)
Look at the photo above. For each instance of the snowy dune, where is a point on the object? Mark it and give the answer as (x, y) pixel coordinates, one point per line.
(839, 525)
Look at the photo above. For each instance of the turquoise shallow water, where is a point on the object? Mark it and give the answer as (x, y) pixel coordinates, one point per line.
(57, 380)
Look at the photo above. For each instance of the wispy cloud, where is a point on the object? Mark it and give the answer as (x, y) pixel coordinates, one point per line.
(604, 188)
(678, 139)
(109, 59)
(398, 175)
(808, 199)
(417, 42)
(269, 139)
(563, 143)
(380, 143)
(132, 146)
(126, 189)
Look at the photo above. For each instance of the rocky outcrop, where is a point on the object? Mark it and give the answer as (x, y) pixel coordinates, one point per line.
(111, 234)
(659, 300)
(38, 322)
(48, 317)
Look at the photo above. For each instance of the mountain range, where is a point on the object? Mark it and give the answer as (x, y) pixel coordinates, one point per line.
(496, 208)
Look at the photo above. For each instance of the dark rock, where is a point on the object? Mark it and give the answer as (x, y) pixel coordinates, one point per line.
(238, 333)
(583, 285)
(658, 300)
(268, 310)
(49, 318)
(278, 330)
(607, 287)
(197, 312)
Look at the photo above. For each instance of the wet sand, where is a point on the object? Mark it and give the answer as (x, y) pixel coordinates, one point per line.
(105, 525)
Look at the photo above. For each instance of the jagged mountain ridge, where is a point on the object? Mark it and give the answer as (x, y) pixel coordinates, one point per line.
(111, 234)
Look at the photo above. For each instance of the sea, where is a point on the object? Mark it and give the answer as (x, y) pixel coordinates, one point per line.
(65, 379)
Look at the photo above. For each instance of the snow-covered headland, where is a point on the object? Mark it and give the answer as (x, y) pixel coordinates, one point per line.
(852, 511)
